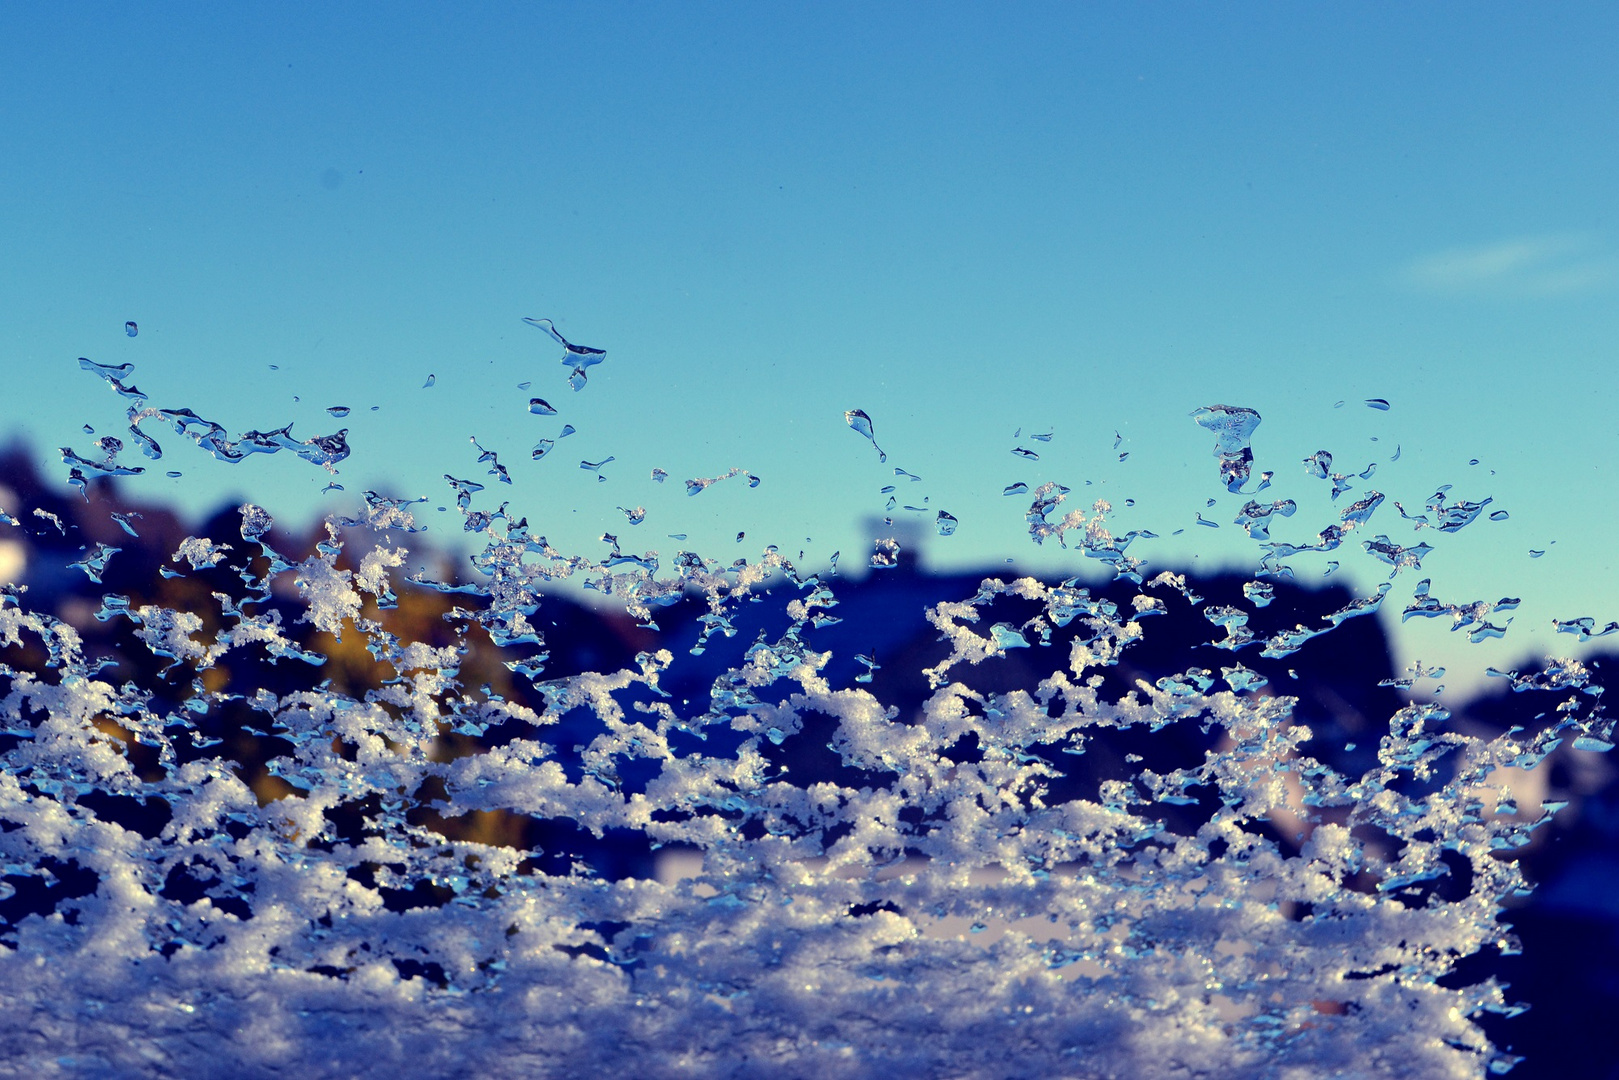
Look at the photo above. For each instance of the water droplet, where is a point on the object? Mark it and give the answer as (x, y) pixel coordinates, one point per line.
(88, 430)
(338, 411)
(635, 516)
(540, 407)
(912, 476)
(1474, 461)
(677, 536)
(1124, 456)
(577, 378)
(567, 429)
(525, 384)
(1499, 515)
(1377, 403)
(595, 466)
(173, 474)
(334, 486)
(659, 475)
(543, 447)
(1044, 437)
(945, 523)
(431, 379)
(1337, 404)
(1027, 455)
(857, 419)
(888, 489)
(131, 329)
(739, 536)
(1018, 488)
(1319, 464)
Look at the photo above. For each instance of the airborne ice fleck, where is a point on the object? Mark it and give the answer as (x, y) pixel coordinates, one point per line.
(1233, 427)
(857, 419)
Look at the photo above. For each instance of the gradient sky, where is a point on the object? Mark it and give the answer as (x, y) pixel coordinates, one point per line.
(963, 219)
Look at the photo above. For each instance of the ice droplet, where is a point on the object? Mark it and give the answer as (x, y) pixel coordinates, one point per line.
(945, 523)
(577, 357)
(857, 419)
(540, 407)
(131, 329)
(1233, 427)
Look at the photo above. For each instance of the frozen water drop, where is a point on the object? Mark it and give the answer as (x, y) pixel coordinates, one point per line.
(131, 329)
(338, 411)
(431, 379)
(541, 407)
(1233, 427)
(945, 523)
(857, 419)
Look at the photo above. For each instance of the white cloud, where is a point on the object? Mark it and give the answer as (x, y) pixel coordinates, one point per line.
(1545, 265)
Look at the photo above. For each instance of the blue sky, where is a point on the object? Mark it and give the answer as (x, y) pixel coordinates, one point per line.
(963, 219)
